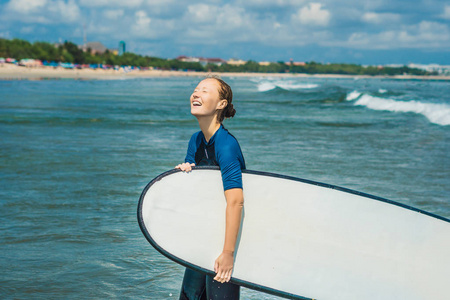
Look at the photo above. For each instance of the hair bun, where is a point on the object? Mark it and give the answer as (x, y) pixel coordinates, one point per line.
(230, 111)
(225, 93)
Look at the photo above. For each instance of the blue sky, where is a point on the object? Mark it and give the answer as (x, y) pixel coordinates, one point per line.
(351, 31)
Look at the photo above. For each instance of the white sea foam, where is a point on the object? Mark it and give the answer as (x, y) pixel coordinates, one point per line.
(266, 86)
(382, 91)
(353, 95)
(285, 85)
(436, 113)
(297, 86)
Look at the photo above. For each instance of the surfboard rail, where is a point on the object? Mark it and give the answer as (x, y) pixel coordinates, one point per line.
(244, 283)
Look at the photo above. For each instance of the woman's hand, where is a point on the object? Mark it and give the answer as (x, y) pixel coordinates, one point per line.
(185, 167)
(224, 267)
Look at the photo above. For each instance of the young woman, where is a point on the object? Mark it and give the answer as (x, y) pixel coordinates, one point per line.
(213, 145)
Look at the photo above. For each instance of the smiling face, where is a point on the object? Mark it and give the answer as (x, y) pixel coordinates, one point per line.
(205, 100)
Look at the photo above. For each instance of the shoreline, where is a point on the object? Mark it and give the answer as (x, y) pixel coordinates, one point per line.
(13, 72)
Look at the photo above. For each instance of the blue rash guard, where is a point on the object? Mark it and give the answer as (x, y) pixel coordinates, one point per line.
(222, 150)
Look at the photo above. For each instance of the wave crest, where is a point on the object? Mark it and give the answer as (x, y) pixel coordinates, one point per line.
(435, 113)
(353, 95)
(285, 85)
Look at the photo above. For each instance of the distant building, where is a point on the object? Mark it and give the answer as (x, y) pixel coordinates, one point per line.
(393, 66)
(264, 63)
(96, 47)
(122, 47)
(236, 62)
(439, 69)
(203, 61)
(295, 63)
(214, 61)
(188, 58)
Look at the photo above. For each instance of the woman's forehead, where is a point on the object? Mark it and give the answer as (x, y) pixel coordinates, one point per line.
(208, 83)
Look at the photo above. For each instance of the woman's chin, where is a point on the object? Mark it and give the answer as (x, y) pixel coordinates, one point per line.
(197, 113)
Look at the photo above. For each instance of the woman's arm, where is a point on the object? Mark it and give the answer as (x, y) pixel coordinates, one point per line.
(224, 263)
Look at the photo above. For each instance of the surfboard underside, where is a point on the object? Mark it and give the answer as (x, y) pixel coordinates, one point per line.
(301, 239)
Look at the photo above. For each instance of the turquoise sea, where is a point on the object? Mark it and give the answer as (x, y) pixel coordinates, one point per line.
(75, 156)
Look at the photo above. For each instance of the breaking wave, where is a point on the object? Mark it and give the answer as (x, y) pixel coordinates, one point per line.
(285, 85)
(353, 95)
(434, 112)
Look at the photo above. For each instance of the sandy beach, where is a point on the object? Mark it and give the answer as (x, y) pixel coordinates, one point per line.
(14, 72)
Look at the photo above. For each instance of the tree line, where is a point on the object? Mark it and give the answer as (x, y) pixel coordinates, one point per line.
(69, 52)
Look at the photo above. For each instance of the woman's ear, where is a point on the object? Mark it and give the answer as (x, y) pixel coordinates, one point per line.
(222, 104)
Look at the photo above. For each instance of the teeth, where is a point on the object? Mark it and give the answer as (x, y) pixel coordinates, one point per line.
(196, 103)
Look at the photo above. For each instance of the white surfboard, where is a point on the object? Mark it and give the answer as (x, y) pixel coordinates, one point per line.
(301, 239)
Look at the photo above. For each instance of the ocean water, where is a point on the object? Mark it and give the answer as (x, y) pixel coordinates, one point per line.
(75, 156)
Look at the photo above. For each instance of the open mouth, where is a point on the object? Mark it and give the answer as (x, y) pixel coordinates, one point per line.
(196, 103)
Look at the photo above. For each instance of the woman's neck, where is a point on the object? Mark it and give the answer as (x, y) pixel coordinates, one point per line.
(208, 126)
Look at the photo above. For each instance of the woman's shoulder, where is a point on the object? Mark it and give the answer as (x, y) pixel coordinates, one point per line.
(226, 139)
(195, 139)
(196, 135)
(228, 150)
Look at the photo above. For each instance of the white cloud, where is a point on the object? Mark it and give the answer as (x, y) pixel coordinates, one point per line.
(113, 14)
(423, 35)
(111, 3)
(141, 26)
(224, 18)
(5, 34)
(162, 2)
(313, 14)
(433, 32)
(27, 29)
(96, 29)
(271, 2)
(202, 13)
(232, 17)
(26, 6)
(446, 13)
(218, 24)
(142, 20)
(130, 25)
(380, 18)
(42, 11)
(64, 11)
(93, 3)
(214, 24)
